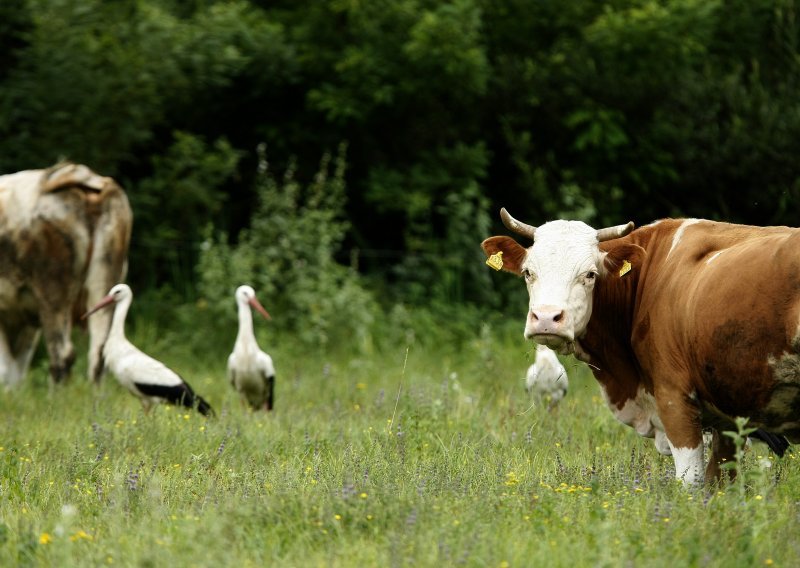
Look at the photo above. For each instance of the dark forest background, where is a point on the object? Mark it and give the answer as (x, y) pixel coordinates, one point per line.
(347, 157)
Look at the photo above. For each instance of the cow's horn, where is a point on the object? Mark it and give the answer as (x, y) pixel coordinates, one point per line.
(609, 233)
(517, 226)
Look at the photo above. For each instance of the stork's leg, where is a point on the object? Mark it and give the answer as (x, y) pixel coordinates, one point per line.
(681, 418)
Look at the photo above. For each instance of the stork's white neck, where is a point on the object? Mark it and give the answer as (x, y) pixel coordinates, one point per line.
(117, 331)
(246, 337)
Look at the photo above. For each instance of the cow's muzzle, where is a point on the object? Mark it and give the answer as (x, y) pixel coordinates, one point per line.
(549, 326)
(557, 343)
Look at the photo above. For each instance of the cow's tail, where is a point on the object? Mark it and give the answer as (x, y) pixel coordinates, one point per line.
(776, 442)
(107, 264)
(203, 407)
(191, 399)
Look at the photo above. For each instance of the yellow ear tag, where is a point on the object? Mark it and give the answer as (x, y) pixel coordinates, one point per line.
(496, 260)
(626, 267)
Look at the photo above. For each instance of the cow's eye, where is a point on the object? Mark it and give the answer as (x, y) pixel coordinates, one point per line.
(526, 273)
(591, 275)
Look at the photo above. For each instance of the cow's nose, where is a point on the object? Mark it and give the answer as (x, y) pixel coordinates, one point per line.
(548, 315)
(548, 321)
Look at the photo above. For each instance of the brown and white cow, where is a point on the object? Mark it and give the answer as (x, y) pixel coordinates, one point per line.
(687, 324)
(64, 235)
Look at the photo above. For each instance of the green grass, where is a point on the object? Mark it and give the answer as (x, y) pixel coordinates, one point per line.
(411, 457)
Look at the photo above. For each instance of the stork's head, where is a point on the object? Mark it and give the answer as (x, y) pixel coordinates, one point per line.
(560, 271)
(245, 295)
(117, 294)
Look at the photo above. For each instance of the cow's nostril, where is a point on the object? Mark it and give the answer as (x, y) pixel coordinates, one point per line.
(558, 316)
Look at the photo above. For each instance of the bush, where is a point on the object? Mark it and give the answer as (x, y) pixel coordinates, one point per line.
(288, 256)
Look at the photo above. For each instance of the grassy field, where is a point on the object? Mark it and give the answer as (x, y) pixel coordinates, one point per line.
(414, 456)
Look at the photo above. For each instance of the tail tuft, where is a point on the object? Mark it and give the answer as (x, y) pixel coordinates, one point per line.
(776, 442)
(191, 399)
(203, 407)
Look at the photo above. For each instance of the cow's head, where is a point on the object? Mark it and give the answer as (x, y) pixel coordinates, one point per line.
(560, 271)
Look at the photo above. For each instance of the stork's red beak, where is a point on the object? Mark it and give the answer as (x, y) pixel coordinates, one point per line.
(258, 307)
(101, 304)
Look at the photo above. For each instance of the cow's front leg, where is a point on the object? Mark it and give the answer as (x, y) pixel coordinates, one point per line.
(680, 416)
(723, 449)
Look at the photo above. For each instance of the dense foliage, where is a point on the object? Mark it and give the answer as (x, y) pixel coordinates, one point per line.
(600, 110)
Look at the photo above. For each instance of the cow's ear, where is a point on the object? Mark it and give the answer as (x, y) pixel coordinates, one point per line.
(513, 252)
(623, 258)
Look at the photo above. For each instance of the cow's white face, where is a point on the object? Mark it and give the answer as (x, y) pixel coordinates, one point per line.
(560, 271)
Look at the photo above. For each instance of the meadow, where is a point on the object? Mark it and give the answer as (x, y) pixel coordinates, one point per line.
(403, 455)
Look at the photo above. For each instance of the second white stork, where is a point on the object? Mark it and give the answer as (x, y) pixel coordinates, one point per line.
(150, 380)
(250, 370)
(547, 377)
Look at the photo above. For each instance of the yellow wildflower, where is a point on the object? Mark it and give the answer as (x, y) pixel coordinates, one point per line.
(81, 535)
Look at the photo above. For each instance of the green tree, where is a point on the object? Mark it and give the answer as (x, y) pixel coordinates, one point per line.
(173, 206)
(404, 80)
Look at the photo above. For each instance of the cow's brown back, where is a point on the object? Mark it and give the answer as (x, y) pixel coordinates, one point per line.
(714, 304)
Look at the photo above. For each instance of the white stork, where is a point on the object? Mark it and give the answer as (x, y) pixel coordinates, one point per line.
(250, 370)
(547, 376)
(150, 380)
